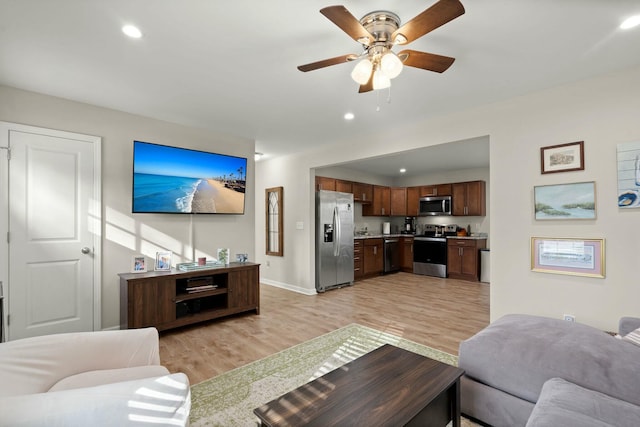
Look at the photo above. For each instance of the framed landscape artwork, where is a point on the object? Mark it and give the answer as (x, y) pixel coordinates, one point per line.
(565, 201)
(562, 157)
(577, 257)
(629, 175)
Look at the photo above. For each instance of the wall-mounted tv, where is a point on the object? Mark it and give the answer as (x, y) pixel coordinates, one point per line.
(178, 180)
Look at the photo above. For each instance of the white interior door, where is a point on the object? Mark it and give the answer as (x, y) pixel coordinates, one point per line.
(54, 231)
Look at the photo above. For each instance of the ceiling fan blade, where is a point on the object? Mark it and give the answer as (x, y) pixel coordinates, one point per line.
(437, 15)
(327, 62)
(426, 61)
(340, 16)
(367, 87)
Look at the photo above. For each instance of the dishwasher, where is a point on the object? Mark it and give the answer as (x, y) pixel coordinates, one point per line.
(391, 255)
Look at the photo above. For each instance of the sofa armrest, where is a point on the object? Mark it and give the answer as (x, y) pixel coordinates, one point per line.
(628, 324)
(33, 365)
(157, 401)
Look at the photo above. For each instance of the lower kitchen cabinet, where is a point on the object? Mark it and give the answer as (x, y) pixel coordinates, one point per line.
(358, 258)
(463, 258)
(373, 257)
(406, 254)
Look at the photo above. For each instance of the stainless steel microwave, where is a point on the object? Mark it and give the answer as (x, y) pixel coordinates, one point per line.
(436, 205)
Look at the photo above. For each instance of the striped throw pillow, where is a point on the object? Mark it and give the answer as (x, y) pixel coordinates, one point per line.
(633, 337)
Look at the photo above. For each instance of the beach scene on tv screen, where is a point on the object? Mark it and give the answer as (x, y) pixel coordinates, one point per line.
(176, 180)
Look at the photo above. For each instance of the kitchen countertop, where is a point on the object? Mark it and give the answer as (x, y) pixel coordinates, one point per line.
(381, 236)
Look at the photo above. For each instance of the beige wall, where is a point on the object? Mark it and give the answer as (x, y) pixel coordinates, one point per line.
(602, 111)
(125, 234)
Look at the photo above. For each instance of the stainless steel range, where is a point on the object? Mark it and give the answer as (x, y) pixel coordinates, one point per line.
(430, 250)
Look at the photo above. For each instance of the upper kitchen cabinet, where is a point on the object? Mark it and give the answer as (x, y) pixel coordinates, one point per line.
(413, 201)
(468, 198)
(436, 190)
(324, 183)
(362, 192)
(381, 203)
(344, 186)
(398, 201)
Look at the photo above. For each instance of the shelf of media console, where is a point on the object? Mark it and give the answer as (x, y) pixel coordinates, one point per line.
(186, 296)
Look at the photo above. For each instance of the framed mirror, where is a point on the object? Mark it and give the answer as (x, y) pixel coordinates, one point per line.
(273, 208)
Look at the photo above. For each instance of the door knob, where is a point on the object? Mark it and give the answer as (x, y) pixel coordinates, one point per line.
(85, 250)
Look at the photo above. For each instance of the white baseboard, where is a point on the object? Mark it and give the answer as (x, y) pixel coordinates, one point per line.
(288, 287)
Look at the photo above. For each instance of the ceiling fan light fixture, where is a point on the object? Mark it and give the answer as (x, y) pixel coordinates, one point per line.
(400, 39)
(362, 71)
(630, 22)
(391, 65)
(380, 80)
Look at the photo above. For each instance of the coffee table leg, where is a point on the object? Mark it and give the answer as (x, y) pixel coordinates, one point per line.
(455, 403)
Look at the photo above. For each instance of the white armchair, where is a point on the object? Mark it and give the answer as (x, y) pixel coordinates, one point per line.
(108, 378)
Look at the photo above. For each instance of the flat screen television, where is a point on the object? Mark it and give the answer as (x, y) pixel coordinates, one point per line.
(183, 181)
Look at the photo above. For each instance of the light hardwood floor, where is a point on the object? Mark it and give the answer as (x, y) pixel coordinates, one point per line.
(435, 312)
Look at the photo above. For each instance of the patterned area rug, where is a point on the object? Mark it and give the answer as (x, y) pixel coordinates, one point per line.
(229, 399)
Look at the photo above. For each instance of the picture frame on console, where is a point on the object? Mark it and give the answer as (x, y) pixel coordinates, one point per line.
(138, 264)
(163, 261)
(562, 157)
(572, 256)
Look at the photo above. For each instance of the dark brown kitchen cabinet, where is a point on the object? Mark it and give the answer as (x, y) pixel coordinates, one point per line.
(406, 254)
(469, 198)
(362, 193)
(324, 183)
(344, 186)
(381, 203)
(398, 201)
(373, 258)
(463, 258)
(413, 201)
(172, 299)
(358, 258)
(435, 190)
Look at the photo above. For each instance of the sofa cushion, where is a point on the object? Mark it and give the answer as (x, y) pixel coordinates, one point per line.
(633, 337)
(518, 353)
(109, 376)
(162, 401)
(562, 403)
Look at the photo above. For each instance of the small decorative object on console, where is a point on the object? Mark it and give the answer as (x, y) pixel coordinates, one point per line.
(223, 256)
(242, 257)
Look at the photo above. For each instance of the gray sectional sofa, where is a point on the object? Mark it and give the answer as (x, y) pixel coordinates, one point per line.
(533, 371)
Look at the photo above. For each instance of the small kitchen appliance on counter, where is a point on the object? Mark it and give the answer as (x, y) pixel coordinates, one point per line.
(386, 228)
(409, 225)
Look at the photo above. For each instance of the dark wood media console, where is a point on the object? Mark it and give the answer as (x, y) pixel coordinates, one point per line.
(172, 299)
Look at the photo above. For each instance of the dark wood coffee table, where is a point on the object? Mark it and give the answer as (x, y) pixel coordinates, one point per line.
(386, 387)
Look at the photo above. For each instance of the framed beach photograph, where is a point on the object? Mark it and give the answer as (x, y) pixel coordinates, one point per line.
(163, 261)
(576, 257)
(562, 157)
(138, 264)
(565, 201)
(628, 157)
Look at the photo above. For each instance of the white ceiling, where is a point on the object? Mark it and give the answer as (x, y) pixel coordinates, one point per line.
(231, 66)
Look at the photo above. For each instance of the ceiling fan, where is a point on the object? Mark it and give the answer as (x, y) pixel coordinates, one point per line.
(378, 32)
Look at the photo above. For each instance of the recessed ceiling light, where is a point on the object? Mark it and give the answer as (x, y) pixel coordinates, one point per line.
(132, 31)
(349, 116)
(403, 170)
(630, 22)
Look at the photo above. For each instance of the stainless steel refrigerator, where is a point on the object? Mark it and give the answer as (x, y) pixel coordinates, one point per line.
(334, 239)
